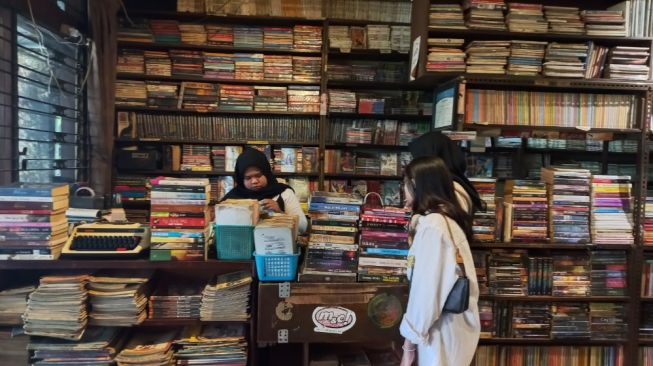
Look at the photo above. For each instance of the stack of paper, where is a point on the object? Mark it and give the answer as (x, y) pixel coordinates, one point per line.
(227, 298)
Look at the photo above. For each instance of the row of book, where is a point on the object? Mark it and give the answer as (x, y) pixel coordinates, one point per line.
(361, 70)
(390, 190)
(374, 131)
(520, 273)
(530, 18)
(365, 162)
(385, 38)
(298, 37)
(535, 320)
(495, 355)
(404, 102)
(208, 97)
(221, 66)
(524, 108)
(533, 58)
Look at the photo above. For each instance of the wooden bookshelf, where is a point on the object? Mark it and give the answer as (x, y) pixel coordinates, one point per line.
(143, 77)
(367, 54)
(479, 126)
(550, 246)
(208, 173)
(125, 140)
(402, 117)
(213, 48)
(182, 322)
(161, 110)
(362, 22)
(362, 176)
(342, 145)
(486, 34)
(543, 298)
(553, 342)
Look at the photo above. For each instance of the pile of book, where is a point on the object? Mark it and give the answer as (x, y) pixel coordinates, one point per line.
(526, 211)
(371, 105)
(383, 245)
(609, 23)
(507, 272)
(220, 34)
(630, 63)
(130, 61)
(571, 274)
(13, 302)
(187, 63)
(192, 33)
(219, 66)
(57, 308)
(564, 19)
(201, 97)
(278, 38)
(570, 321)
(569, 204)
(196, 158)
(304, 99)
(612, 218)
(487, 57)
(332, 250)
(565, 60)
(224, 157)
(179, 218)
(446, 16)
(215, 344)
(131, 188)
(608, 320)
(131, 93)
(609, 273)
(446, 54)
(378, 37)
(165, 31)
(236, 98)
(98, 346)
(277, 67)
(248, 66)
(307, 37)
(648, 220)
(400, 38)
(271, 98)
(527, 18)
(227, 298)
(134, 31)
(486, 222)
(530, 320)
(485, 14)
(161, 94)
(33, 223)
(339, 37)
(306, 69)
(118, 300)
(539, 275)
(179, 299)
(157, 63)
(526, 57)
(148, 347)
(342, 101)
(248, 37)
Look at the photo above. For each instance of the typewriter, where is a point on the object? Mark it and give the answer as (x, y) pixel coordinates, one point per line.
(107, 240)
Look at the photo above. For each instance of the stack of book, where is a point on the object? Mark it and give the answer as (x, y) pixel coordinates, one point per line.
(196, 158)
(248, 37)
(569, 204)
(485, 223)
(570, 321)
(33, 223)
(192, 33)
(278, 38)
(249, 66)
(215, 344)
(539, 275)
(530, 320)
(526, 57)
(236, 98)
(187, 63)
(227, 298)
(400, 38)
(148, 347)
(609, 273)
(527, 18)
(271, 98)
(648, 220)
(179, 218)
(165, 31)
(369, 164)
(98, 346)
(131, 188)
(526, 211)
(566, 60)
(158, 63)
(288, 159)
(175, 300)
(307, 37)
(571, 275)
(481, 258)
(131, 93)
(630, 63)
(201, 97)
(612, 218)
(130, 61)
(138, 31)
(446, 16)
(306, 69)
(13, 302)
(608, 320)
(118, 300)
(332, 250)
(220, 34)
(378, 37)
(342, 101)
(610, 23)
(564, 19)
(304, 99)
(383, 245)
(507, 272)
(161, 94)
(487, 57)
(486, 315)
(371, 105)
(57, 308)
(339, 37)
(224, 157)
(219, 66)
(277, 67)
(485, 14)
(446, 54)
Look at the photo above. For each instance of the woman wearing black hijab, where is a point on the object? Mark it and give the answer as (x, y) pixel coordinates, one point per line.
(254, 180)
(436, 144)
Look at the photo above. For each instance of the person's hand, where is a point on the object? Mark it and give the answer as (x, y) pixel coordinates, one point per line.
(270, 205)
(408, 358)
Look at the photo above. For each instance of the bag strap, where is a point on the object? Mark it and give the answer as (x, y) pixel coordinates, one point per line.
(459, 258)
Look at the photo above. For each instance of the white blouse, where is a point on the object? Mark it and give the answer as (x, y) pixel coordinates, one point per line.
(442, 338)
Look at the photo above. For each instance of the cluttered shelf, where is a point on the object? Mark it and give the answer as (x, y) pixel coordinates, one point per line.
(68, 264)
(143, 77)
(216, 112)
(208, 47)
(550, 246)
(488, 34)
(125, 140)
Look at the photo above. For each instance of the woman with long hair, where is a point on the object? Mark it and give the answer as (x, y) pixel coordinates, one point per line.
(440, 231)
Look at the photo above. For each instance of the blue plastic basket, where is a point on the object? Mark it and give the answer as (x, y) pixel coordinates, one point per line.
(234, 242)
(276, 267)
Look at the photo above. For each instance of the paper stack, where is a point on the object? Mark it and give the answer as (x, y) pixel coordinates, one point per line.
(227, 298)
(118, 300)
(148, 347)
(612, 218)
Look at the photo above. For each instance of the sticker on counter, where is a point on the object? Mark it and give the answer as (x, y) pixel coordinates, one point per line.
(284, 311)
(333, 319)
(385, 310)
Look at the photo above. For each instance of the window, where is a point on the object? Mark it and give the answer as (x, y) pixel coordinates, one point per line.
(49, 138)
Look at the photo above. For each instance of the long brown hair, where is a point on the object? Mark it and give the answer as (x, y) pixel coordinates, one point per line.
(431, 185)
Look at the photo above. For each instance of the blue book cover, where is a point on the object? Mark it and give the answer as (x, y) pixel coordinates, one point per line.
(34, 190)
(384, 251)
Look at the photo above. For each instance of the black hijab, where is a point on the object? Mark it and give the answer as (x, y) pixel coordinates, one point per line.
(436, 144)
(254, 158)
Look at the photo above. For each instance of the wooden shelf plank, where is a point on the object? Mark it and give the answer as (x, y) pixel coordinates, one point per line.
(541, 298)
(123, 264)
(177, 78)
(212, 172)
(367, 146)
(413, 117)
(481, 34)
(393, 85)
(218, 112)
(177, 322)
(548, 341)
(220, 142)
(362, 22)
(480, 126)
(214, 48)
(231, 18)
(549, 246)
(362, 176)
(335, 53)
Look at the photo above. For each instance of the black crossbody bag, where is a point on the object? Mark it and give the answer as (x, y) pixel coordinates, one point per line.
(458, 299)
